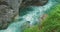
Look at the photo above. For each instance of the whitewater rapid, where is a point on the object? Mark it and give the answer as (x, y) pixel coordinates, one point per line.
(31, 16)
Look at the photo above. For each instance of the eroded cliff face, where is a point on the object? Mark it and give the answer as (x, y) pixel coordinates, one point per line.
(6, 15)
(8, 11)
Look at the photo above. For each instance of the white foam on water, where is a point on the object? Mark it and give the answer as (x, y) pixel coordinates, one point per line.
(38, 11)
(31, 16)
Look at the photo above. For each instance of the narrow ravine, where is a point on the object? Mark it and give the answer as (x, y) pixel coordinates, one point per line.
(31, 16)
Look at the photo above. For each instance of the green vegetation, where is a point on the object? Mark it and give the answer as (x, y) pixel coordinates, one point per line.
(32, 29)
(50, 24)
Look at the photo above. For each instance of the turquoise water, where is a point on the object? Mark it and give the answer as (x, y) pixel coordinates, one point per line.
(31, 15)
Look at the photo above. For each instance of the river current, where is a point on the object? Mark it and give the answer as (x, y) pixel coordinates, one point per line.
(31, 16)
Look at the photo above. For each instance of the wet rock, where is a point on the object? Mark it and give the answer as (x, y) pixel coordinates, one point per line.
(33, 2)
(6, 16)
(8, 11)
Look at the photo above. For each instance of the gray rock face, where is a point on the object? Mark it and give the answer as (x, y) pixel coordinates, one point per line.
(6, 16)
(8, 10)
(15, 4)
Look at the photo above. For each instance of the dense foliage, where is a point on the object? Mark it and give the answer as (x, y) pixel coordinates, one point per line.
(52, 23)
